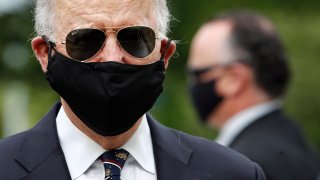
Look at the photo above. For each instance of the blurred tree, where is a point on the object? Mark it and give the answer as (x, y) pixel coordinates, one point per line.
(17, 64)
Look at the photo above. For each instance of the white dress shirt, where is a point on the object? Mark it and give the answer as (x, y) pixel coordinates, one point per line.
(237, 123)
(82, 153)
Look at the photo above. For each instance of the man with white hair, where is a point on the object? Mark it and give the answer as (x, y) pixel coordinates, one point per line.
(107, 61)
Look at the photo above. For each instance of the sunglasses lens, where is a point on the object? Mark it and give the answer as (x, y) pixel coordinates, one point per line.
(138, 41)
(82, 44)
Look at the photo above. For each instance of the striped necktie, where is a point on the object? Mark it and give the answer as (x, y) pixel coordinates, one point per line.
(113, 161)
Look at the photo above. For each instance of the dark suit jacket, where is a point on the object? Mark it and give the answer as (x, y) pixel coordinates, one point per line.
(277, 144)
(37, 155)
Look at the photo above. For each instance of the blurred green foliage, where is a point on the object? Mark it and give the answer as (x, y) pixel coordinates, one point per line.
(298, 23)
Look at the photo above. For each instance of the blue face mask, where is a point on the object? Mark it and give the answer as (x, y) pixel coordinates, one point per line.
(204, 96)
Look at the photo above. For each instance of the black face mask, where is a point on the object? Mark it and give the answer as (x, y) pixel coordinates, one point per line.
(204, 98)
(108, 97)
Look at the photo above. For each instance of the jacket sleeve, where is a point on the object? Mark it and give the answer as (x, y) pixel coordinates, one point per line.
(259, 173)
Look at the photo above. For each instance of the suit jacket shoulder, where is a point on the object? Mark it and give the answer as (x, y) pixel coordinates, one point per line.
(188, 157)
(277, 144)
(9, 147)
(34, 154)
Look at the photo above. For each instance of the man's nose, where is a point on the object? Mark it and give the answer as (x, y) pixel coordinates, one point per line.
(111, 51)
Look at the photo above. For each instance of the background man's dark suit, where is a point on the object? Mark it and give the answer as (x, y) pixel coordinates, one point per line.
(37, 155)
(277, 144)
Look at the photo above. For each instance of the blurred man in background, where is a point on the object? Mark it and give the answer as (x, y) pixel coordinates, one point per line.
(238, 75)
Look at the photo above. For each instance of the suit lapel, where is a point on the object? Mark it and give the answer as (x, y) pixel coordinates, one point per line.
(40, 153)
(171, 156)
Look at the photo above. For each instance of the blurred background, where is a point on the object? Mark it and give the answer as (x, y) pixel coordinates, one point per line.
(25, 95)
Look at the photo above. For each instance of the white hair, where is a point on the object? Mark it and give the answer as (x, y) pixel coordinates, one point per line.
(162, 15)
(44, 16)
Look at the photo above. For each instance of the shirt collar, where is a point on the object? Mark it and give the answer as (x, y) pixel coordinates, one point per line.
(241, 120)
(80, 151)
(140, 147)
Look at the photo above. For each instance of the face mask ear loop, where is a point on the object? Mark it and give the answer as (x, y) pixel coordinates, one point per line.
(165, 50)
(51, 45)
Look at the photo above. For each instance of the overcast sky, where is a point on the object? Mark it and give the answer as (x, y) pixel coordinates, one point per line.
(7, 6)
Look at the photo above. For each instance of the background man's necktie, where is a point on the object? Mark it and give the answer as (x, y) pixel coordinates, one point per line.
(113, 162)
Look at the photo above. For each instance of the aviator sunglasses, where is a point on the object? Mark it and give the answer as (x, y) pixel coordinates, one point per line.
(83, 44)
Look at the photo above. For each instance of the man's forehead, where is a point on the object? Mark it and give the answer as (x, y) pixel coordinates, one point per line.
(77, 13)
(102, 2)
(211, 44)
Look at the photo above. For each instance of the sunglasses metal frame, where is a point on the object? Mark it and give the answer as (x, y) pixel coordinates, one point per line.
(114, 30)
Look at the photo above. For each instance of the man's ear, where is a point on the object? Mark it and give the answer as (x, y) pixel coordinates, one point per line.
(170, 51)
(40, 49)
(235, 81)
